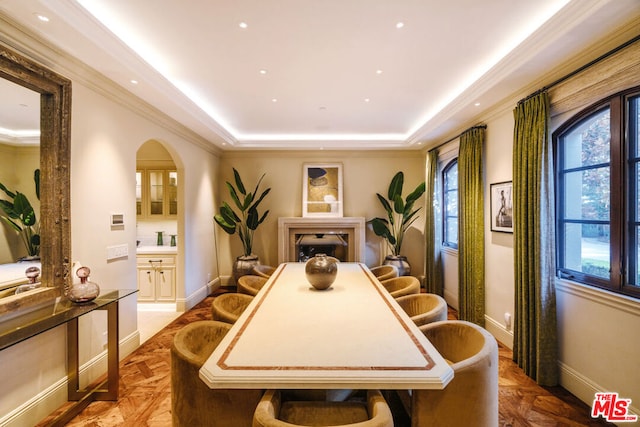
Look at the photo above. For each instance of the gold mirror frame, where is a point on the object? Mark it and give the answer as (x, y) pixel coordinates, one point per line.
(55, 175)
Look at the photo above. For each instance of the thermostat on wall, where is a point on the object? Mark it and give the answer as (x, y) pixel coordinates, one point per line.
(117, 220)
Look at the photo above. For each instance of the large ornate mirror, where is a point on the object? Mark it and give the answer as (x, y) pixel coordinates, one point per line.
(55, 227)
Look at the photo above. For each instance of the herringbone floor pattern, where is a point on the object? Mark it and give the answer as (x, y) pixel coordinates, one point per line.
(145, 390)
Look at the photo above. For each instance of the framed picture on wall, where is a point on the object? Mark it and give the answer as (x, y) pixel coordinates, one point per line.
(502, 207)
(322, 190)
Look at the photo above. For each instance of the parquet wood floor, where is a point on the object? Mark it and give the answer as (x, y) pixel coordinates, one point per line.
(145, 390)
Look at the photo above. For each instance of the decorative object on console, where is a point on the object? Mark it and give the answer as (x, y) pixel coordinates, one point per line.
(321, 271)
(20, 216)
(246, 223)
(400, 216)
(322, 190)
(85, 291)
(32, 274)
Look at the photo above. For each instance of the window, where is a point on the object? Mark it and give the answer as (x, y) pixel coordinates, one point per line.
(597, 161)
(450, 203)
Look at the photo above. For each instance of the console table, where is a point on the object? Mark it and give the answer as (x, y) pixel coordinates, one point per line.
(63, 311)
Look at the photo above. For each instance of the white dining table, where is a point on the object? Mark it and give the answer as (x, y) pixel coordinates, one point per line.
(352, 335)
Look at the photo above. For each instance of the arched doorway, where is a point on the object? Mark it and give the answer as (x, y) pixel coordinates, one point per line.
(157, 252)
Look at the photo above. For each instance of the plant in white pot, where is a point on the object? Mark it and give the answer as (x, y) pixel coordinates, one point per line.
(400, 215)
(245, 223)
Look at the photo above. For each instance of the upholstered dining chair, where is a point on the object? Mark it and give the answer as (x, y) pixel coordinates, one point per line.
(228, 307)
(424, 308)
(250, 284)
(193, 403)
(401, 286)
(384, 272)
(276, 411)
(471, 398)
(264, 270)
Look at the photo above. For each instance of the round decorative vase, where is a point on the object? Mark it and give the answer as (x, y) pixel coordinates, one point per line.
(243, 266)
(401, 263)
(85, 291)
(321, 271)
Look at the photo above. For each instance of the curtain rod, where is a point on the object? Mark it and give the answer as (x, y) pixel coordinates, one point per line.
(584, 67)
(458, 136)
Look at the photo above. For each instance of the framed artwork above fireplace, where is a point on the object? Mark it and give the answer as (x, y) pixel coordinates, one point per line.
(322, 190)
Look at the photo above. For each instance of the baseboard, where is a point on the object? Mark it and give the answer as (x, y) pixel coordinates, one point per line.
(585, 389)
(501, 333)
(50, 399)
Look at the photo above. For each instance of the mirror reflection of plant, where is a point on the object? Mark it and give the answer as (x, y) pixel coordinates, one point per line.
(249, 219)
(400, 213)
(20, 215)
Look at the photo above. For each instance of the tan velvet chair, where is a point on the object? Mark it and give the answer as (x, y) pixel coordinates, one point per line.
(384, 272)
(424, 308)
(274, 411)
(264, 270)
(193, 403)
(471, 398)
(401, 286)
(228, 307)
(250, 284)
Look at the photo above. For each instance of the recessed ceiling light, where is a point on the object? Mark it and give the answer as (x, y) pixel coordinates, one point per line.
(399, 24)
(477, 104)
(274, 99)
(134, 82)
(243, 25)
(378, 72)
(42, 17)
(263, 71)
(367, 100)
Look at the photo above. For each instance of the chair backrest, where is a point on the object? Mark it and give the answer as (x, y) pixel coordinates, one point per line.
(274, 411)
(473, 353)
(403, 285)
(228, 307)
(384, 272)
(196, 341)
(424, 308)
(264, 270)
(250, 284)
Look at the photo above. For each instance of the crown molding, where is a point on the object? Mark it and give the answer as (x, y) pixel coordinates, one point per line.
(41, 51)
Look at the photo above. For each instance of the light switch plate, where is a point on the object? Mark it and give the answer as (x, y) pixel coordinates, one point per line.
(117, 251)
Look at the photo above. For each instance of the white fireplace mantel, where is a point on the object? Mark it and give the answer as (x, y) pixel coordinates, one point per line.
(288, 227)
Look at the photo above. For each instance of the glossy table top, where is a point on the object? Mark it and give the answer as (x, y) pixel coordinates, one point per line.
(60, 311)
(353, 335)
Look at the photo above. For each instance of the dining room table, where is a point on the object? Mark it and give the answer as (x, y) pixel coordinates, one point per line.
(352, 335)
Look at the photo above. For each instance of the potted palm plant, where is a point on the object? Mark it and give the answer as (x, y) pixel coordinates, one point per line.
(400, 215)
(245, 222)
(20, 215)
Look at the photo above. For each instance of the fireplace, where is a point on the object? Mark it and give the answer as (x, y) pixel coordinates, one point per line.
(340, 237)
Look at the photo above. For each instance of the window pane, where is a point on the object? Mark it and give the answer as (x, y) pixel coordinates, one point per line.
(586, 249)
(451, 231)
(451, 203)
(634, 112)
(587, 194)
(588, 142)
(451, 177)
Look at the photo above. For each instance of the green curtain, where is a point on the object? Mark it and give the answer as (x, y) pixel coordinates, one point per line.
(433, 265)
(471, 227)
(535, 345)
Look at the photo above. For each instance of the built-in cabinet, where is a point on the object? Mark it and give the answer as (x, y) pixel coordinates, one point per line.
(156, 278)
(156, 193)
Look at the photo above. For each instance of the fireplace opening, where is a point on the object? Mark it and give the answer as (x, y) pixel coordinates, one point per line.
(334, 245)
